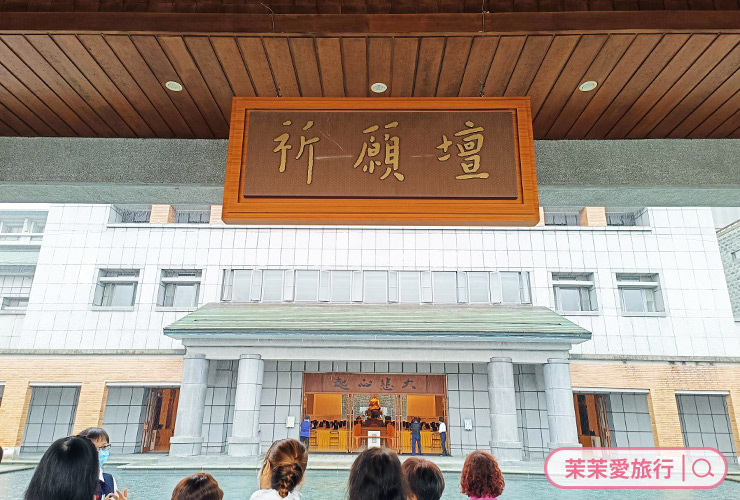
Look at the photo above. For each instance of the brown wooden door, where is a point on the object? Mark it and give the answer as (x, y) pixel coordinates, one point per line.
(159, 425)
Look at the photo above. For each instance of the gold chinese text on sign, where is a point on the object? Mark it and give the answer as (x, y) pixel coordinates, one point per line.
(389, 161)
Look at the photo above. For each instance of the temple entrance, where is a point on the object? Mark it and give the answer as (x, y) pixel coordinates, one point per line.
(159, 424)
(347, 415)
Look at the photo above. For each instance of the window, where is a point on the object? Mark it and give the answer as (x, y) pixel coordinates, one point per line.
(640, 293)
(307, 286)
(444, 287)
(179, 288)
(735, 255)
(193, 215)
(620, 219)
(15, 287)
(375, 287)
(116, 288)
(515, 287)
(574, 292)
(2, 389)
(341, 286)
(562, 218)
(272, 285)
(409, 287)
(22, 226)
(130, 214)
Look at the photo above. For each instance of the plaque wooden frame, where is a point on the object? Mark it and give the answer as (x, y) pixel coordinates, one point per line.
(521, 211)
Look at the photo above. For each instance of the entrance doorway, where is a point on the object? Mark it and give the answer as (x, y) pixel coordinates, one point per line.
(591, 420)
(350, 412)
(159, 424)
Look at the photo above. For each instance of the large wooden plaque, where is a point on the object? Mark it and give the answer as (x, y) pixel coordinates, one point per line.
(424, 161)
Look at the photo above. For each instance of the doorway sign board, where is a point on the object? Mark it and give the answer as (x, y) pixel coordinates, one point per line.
(388, 161)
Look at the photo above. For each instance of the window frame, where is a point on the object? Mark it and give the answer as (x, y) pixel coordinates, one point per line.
(653, 285)
(582, 285)
(15, 292)
(173, 282)
(103, 281)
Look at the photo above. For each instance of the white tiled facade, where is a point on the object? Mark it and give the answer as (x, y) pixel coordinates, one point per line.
(679, 245)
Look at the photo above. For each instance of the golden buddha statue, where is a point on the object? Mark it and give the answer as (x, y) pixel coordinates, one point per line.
(374, 403)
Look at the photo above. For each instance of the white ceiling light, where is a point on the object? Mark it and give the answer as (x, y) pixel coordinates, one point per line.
(378, 87)
(173, 86)
(587, 86)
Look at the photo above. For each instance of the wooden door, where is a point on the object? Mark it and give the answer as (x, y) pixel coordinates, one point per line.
(159, 425)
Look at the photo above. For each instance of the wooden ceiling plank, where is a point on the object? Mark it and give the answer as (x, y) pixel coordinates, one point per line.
(718, 118)
(123, 64)
(609, 55)
(354, 61)
(89, 119)
(705, 94)
(25, 114)
(7, 130)
(726, 129)
(15, 122)
(557, 56)
(428, 66)
(38, 107)
(567, 83)
(644, 98)
(504, 61)
(726, 92)
(74, 50)
(192, 79)
(457, 52)
(213, 74)
(679, 84)
(281, 62)
(379, 60)
(234, 66)
(479, 62)
(614, 83)
(306, 66)
(43, 92)
(530, 60)
(329, 54)
(81, 83)
(405, 52)
(663, 53)
(259, 69)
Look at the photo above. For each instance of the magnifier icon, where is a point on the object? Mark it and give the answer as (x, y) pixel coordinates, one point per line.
(709, 468)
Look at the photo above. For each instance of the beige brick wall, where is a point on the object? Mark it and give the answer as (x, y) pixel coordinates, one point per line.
(662, 380)
(162, 214)
(593, 216)
(17, 372)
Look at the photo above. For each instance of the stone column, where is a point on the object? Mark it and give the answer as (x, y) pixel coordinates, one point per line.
(505, 444)
(561, 414)
(188, 438)
(245, 439)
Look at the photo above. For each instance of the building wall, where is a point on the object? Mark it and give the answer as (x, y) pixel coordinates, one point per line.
(680, 246)
(729, 242)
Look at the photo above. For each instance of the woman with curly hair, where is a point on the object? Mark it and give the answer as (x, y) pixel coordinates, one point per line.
(282, 471)
(481, 477)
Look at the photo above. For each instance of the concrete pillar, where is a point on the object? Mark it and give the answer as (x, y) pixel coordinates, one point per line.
(245, 439)
(561, 414)
(505, 444)
(188, 438)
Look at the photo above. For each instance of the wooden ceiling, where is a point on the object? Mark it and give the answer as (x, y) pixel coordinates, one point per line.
(357, 6)
(652, 84)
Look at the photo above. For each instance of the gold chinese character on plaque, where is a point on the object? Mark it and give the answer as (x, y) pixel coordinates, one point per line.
(371, 149)
(472, 142)
(306, 144)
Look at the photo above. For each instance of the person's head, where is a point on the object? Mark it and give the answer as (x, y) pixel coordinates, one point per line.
(481, 476)
(101, 441)
(423, 479)
(376, 473)
(68, 469)
(307, 418)
(441, 419)
(199, 486)
(284, 466)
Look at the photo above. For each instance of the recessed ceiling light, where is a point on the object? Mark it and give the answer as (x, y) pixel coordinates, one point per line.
(378, 87)
(587, 86)
(173, 86)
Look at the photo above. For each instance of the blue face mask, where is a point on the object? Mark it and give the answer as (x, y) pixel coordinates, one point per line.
(103, 457)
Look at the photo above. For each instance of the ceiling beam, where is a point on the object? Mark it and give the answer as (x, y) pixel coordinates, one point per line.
(504, 22)
(660, 172)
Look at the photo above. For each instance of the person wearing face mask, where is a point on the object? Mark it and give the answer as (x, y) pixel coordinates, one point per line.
(107, 487)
